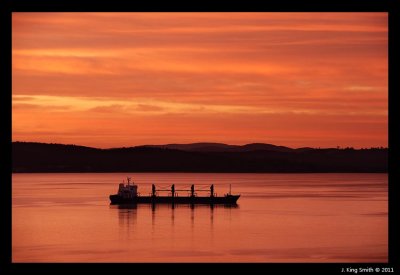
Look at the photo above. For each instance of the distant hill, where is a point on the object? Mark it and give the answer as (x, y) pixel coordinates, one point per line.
(221, 147)
(196, 157)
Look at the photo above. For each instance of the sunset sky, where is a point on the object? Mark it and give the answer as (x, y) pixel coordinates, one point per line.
(125, 79)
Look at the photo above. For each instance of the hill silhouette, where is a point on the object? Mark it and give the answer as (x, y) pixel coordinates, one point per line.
(221, 147)
(196, 157)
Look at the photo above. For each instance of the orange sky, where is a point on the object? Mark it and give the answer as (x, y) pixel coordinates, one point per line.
(125, 79)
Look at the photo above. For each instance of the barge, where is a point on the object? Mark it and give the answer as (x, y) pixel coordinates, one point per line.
(128, 194)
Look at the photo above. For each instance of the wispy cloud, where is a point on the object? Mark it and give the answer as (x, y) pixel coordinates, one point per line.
(366, 88)
(230, 74)
(140, 105)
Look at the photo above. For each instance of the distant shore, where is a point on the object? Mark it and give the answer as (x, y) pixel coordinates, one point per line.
(30, 157)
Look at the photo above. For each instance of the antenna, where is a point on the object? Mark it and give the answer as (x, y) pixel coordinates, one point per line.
(230, 189)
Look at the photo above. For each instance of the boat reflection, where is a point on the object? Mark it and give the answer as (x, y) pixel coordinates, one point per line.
(192, 206)
(159, 213)
(155, 206)
(127, 216)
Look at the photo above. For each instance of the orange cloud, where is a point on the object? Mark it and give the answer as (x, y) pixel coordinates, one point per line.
(295, 79)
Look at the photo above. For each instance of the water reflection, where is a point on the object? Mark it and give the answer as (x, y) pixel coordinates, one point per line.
(127, 213)
(155, 206)
(306, 218)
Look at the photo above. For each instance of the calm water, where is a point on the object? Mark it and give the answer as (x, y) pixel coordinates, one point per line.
(279, 218)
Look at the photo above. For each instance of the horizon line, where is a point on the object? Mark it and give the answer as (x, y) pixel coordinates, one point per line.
(204, 142)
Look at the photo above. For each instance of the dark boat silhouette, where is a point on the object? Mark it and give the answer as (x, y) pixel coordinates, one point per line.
(127, 194)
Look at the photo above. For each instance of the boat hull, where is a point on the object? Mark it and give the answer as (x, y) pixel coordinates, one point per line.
(229, 199)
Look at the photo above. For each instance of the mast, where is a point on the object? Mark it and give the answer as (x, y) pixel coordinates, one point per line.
(192, 190)
(230, 189)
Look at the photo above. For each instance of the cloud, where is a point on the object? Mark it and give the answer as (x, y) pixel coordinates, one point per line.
(278, 70)
(114, 108)
(146, 107)
(34, 107)
(365, 88)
